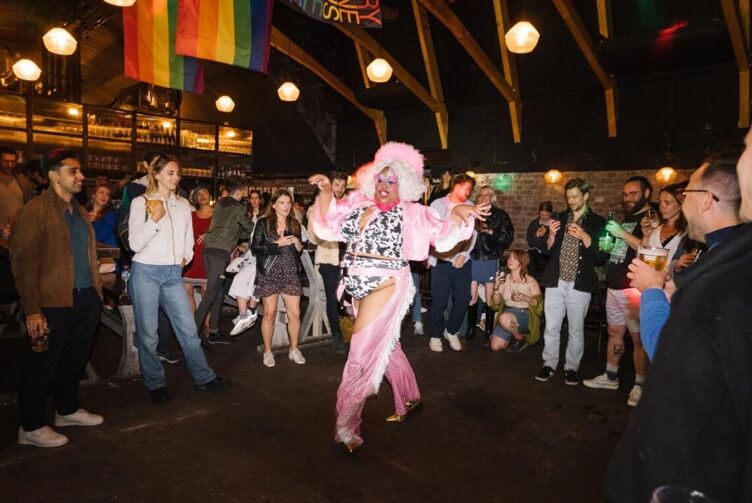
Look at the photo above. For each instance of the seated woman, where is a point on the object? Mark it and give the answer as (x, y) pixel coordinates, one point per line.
(517, 296)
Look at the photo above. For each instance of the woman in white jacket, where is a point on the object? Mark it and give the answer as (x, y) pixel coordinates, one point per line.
(161, 235)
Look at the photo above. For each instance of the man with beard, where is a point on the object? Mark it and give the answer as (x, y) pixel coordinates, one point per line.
(623, 301)
(570, 279)
(692, 426)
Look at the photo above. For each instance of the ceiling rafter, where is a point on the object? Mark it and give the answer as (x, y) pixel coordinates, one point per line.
(739, 43)
(508, 63)
(604, 18)
(364, 59)
(283, 44)
(359, 36)
(446, 16)
(432, 71)
(582, 37)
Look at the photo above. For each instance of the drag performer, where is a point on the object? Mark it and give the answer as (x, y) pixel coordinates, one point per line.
(384, 229)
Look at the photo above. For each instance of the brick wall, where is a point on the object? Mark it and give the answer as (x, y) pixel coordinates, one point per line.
(521, 193)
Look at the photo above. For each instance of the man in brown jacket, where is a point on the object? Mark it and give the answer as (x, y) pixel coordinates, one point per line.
(54, 261)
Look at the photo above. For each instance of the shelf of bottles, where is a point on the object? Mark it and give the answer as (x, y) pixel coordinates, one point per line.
(196, 164)
(156, 130)
(235, 141)
(196, 135)
(12, 112)
(57, 118)
(234, 166)
(109, 125)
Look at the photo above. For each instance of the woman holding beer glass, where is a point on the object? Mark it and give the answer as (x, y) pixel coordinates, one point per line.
(161, 235)
(672, 226)
(517, 296)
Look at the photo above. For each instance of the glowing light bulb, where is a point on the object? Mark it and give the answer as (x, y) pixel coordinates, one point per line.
(225, 104)
(522, 38)
(379, 71)
(26, 69)
(59, 41)
(288, 92)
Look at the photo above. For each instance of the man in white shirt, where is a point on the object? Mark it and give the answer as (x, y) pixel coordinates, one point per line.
(450, 272)
(328, 258)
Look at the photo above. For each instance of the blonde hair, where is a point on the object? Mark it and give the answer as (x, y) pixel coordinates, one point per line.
(155, 166)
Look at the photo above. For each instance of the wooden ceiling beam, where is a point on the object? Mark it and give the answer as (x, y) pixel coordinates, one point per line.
(581, 36)
(363, 61)
(432, 71)
(446, 16)
(508, 63)
(360, 36)
(283, 44)
(739, 43)
(604, 18)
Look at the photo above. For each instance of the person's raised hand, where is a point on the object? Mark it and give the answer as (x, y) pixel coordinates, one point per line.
(321, 181)
(157, 211)
(554, 226)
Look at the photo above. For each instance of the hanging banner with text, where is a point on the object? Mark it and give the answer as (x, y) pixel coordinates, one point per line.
(363, 13)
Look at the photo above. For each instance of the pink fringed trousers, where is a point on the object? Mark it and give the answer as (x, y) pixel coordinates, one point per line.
(375, 352)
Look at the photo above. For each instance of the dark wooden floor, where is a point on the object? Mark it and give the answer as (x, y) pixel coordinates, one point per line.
(488, 432)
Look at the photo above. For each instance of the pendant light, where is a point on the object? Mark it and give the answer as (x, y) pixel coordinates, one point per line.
(26, 69)
(59, 41)
(379, 71)
(288, 92)
(522, 38)
(225, 104)
(120, 3)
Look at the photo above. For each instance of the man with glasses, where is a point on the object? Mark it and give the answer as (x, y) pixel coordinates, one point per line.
(692, 426)
(623, 301)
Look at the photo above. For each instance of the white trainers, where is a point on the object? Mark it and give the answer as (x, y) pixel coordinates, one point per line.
(418, 328)
(454, 341)
(243, 323)
(435, 344)
(41, 437)
(269, 359)
(634, 395)
(296, 356)
(81, 417)
(602, 382)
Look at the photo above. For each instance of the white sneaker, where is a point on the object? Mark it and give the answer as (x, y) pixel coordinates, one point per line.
(41, 437)
(81, 417)
(418, 328)
(634, 395)
(602, 382)
(296, 356)
(243, 323)
(435, 344)
(454, 341)
(269, 359)
(423, 310)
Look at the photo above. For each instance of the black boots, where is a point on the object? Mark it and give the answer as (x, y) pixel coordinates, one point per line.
(472, 319)
(489, 325)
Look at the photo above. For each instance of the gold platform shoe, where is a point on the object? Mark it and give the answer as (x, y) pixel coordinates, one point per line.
(400, 418)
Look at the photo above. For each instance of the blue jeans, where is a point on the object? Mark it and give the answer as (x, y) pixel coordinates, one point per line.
(416, 298)
(448, 282)
(154, 286)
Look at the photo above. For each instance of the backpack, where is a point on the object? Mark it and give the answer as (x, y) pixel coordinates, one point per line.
(132, 191)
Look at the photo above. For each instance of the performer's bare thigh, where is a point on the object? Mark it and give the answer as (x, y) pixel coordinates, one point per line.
(371, 306)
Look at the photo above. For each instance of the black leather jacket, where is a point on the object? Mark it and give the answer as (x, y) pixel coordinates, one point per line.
(491, 246)
(264, 248)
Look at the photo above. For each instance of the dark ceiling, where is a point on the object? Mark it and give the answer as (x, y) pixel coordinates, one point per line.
(651, 38)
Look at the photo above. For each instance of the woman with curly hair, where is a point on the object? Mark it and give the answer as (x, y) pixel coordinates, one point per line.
(384, 228)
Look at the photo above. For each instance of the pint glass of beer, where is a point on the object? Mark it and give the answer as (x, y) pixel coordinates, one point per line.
(151, 204)
(655, 257)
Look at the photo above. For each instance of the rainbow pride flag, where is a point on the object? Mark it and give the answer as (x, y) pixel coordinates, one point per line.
(149, 39)
(235, 32)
